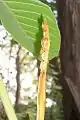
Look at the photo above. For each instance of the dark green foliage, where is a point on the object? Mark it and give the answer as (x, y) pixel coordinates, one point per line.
(13, 42)
(0, 22)
(55, 94)
(3, 115)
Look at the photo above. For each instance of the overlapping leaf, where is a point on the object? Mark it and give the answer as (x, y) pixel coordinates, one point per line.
(23, 19)
(6, 102)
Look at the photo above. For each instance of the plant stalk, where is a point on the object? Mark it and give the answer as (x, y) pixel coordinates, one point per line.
(41, 98)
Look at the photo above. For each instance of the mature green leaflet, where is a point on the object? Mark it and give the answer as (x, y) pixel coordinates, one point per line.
(23, 19)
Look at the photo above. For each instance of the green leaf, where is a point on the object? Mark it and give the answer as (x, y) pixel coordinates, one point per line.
(23, 19)
(6, 102)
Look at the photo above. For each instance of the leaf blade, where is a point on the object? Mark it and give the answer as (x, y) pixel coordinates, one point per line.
(6, 102)
(29, 15)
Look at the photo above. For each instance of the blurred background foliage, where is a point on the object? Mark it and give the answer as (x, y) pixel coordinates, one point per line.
(25, 64)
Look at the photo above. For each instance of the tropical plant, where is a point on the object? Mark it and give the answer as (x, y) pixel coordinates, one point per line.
(23, 19)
